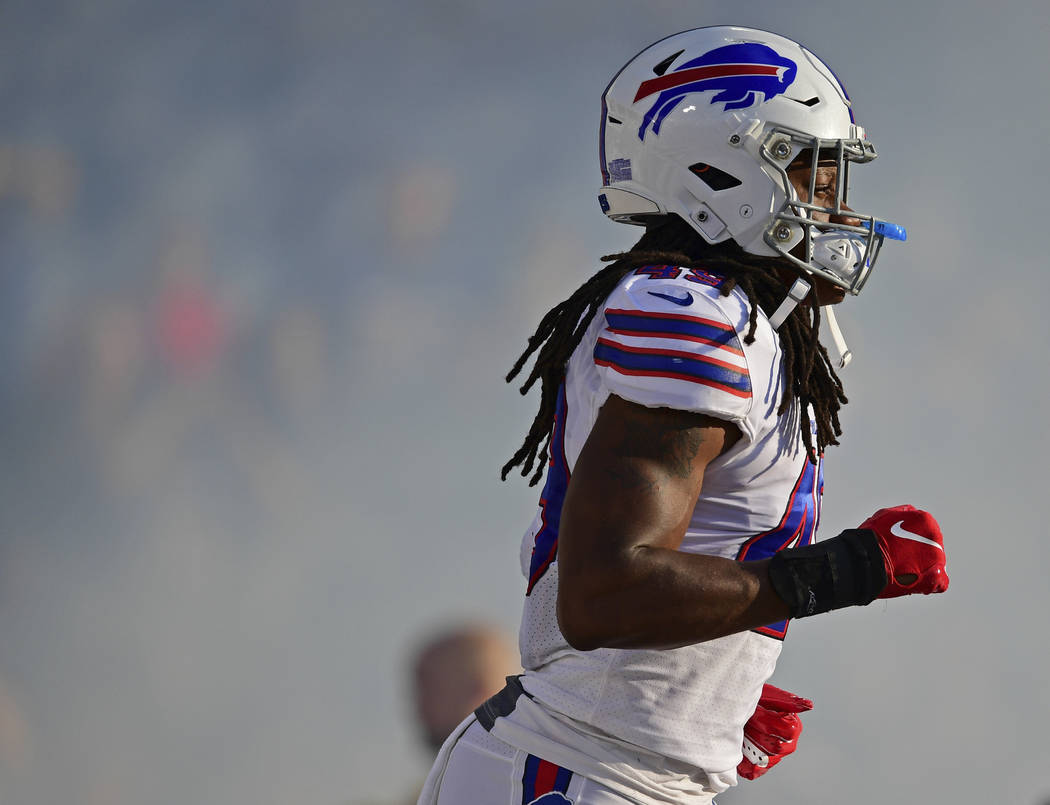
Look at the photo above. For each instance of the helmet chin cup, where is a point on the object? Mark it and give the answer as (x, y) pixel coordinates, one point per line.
(843, 256)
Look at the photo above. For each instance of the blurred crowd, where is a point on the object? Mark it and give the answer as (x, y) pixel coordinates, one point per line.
(207, 384)
(195, 359)
(143, 406)
(156, 395)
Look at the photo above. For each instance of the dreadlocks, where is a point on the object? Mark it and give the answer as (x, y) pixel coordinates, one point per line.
(808, 371)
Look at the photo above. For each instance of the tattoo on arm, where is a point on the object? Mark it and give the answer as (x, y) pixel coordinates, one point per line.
(630, 478)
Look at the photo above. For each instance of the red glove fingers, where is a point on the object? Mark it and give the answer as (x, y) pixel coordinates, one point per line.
(773, 698)
(771, 734)
(912, 549)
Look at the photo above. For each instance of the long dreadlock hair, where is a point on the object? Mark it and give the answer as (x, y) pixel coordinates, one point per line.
(808, 371)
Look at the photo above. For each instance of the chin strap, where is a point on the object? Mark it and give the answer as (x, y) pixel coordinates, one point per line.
(845, 356)
(796, 294)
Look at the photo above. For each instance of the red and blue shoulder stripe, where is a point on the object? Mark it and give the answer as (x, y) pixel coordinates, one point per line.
(675, 346)
(673, 325)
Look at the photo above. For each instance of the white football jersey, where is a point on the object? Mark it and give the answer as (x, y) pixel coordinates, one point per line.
(666, 337)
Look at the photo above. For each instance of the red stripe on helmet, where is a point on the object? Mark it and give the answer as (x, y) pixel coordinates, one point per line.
(699, 74)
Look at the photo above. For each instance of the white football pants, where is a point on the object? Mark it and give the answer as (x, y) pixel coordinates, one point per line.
(475, 768)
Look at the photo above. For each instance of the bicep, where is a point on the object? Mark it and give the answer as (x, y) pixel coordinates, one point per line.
(636, 482)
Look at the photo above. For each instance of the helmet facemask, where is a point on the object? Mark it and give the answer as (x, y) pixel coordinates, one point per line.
(842, 253)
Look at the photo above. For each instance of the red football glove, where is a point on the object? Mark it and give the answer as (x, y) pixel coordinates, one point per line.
(771, 734)
(912, 548)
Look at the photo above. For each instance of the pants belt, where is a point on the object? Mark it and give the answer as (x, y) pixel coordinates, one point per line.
(502, 704)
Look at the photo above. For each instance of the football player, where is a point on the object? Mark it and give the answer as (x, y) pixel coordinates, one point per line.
(686, 402)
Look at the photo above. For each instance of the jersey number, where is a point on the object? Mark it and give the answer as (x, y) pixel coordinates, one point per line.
(673, 273)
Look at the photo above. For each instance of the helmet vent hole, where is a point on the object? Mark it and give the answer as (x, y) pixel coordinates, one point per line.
(614, 120)
(811, 102)
(713, 177)
(661, 68)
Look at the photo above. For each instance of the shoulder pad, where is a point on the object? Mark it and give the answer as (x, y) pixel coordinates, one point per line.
(671, 341)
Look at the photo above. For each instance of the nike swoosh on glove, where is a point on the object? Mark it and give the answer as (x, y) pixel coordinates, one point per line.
(912, 545)
(771, 734)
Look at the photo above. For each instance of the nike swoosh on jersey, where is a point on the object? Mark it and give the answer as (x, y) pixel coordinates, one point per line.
(678, 300)
(897, 531)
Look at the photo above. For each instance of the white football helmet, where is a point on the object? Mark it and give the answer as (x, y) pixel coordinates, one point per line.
(704, 124)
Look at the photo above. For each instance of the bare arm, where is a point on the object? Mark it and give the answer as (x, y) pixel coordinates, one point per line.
(623, 582)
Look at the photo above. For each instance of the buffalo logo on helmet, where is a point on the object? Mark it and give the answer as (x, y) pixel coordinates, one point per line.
(737, 73)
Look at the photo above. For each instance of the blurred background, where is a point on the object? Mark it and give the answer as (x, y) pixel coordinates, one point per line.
(262, 269)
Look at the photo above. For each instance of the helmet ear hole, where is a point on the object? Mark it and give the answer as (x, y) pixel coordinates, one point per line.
(713, 177)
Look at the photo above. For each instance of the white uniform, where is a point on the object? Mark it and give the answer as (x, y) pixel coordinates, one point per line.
(667, 337)
(662, 726)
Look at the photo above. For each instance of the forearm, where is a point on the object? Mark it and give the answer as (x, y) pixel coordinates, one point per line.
(625, 583)
(664, 598)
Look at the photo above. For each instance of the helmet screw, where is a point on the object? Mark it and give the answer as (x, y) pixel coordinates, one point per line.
(701, 216)
(782, 150)
(782, 232)
(745, 211)
(734, 139)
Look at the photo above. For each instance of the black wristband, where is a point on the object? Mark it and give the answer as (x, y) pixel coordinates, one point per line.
(843, 571)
